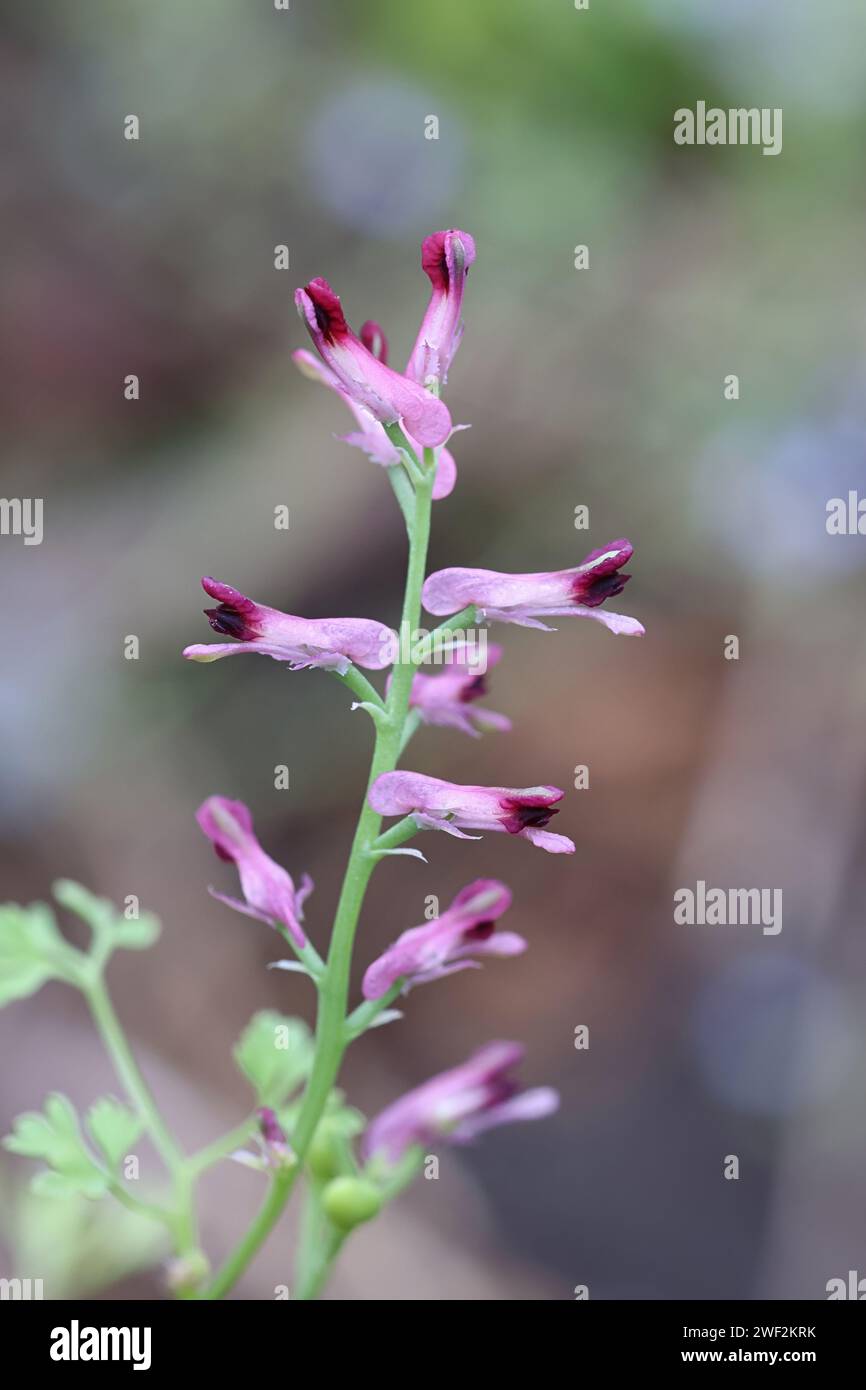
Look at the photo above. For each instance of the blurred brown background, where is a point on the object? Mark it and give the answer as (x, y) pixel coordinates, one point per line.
(601, 387)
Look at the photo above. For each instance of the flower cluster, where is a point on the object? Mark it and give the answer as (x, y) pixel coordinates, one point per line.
(402, 424)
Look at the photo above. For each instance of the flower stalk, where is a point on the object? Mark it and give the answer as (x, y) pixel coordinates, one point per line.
(301, 1127)
(331, 1033)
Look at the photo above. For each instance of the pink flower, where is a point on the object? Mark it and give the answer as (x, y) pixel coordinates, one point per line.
(525, 598)
(446, 258)
(441, 947)
(269, 893)
(438, 805)
(387, 395)
(332, 643)
(370, 436)
(459, 1104)
(448, 698)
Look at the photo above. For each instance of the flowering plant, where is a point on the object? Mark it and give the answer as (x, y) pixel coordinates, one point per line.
(301, 1127)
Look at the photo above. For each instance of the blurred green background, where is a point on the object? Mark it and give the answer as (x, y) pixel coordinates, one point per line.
(601, 387)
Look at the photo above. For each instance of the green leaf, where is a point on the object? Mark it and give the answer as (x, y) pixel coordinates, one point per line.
(49, 1183)
(31, 951)
(79, 1246)
(109, 925)
(55, 1136)
(114, 1127)
(138, 933)
(98, 913)
(275, 1053)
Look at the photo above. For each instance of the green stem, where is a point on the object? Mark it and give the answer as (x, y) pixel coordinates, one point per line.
(306, 954)
(256, 1234)
(360, 686)
(396, 835)
(220, 1148)
(114, 1039)
(149, 1209)
(181, 1218)
(404, 492)
(366, 1014)
(317, 1274)
(334, 987)
(309, 1234)
(411, 728)
(467, 617)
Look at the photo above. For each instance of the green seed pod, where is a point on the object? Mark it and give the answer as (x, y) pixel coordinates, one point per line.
(349, 1201)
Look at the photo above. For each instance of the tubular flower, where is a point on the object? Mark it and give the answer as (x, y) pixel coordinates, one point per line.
(269, 893)
(332, 643)
(388, 396)
(441, 947)
(370, 436)
(448, 697)
(449, 806)
(445, 258)
(459, 1104)
(526, 598)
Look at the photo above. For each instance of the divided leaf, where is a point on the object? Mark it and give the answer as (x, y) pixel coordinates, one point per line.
(105, 921)
(54, 1135)
(137, 934)
(98, 913)
(275, 1054)
(31, 951)
(114, 1127)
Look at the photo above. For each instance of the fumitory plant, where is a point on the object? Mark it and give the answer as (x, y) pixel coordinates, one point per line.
(300, 1128)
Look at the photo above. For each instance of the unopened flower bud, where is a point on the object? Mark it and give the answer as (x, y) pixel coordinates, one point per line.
(277, 1151)
(188, 1272)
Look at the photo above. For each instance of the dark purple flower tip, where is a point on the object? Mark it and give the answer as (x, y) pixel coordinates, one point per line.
(234, 615)
(599, 581)
(594, 593)
(269, 1126)
(528, 812)
(474, 689)
(223, 822)
(328, 310)
(374, 340)
(482, 931)
(445, 257)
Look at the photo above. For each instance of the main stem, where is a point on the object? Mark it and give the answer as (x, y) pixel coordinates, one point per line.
(334, 988)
